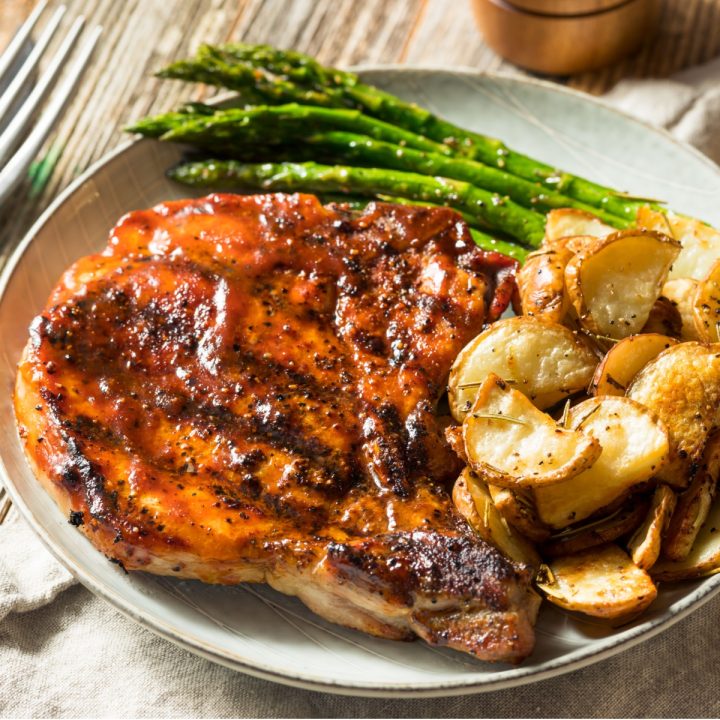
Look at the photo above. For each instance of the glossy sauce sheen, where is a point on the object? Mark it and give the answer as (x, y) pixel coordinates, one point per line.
(244, 388)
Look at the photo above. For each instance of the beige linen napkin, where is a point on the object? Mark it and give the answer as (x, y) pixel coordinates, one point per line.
(64, 652)
(687, 104)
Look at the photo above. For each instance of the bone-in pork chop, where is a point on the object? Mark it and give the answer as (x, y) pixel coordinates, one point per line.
(244, 389)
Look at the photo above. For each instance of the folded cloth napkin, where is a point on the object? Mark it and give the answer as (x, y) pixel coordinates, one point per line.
(64, 652)
(687, 104)
(29, 576)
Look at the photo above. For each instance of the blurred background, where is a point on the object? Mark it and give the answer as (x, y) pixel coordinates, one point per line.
(141, 35)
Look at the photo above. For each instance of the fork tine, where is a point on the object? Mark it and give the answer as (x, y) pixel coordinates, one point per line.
(31, 62)
(23, 116)
(15, 168)
(23, 33)
(5, 503)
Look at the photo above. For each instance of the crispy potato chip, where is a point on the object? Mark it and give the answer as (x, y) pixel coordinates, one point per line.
(700, 242)
(664, 319)
(634, 445)
(545, 361)
(510, 443)
(602, 582)
(518, 509)
(614, 284)
(704, 557)
(681, 292)
(682, 386)
(599, 532)
(645, 544)
(569, 222)
(624, 361)
(472, 499)
(541, 284)
(694, 504)
(706, 306)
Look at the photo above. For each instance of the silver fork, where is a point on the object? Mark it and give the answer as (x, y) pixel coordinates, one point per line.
(16, 116)
(15, 157)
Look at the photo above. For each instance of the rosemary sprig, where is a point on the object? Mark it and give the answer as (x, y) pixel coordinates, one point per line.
(588, 416)
(478, 383)
(567, 532)
(496, 416)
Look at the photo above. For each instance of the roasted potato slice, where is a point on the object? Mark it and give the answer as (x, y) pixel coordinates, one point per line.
(599, 532)
(569, 222)
(454, 437)
(472, 499)
(541, 284)
(706, 306)
(681, 293)
(518, 509)
(645, 544)
(700, 242)
(694, 504)
(614, 284)
(545, 361)
(682, 386)
(634, 445)
(624, 361)
(510, 443)
(602, 582)
(664, 319)
(704, 557)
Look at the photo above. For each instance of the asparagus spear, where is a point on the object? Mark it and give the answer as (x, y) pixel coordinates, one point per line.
(497, 212)
(277, 75)
(273, 123)
(344, 147)
(246, 134)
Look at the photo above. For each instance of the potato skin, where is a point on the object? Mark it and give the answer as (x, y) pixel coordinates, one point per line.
(645, 544)
(664, 319)
(682, 386)
(601, 582)
(624, 272)
(706, 306)
(473, 501)
(598, 533)
(693, 506)
(624, 361)
(541, 284)
(681, 293)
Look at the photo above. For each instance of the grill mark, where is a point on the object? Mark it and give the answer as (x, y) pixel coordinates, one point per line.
(433, 564)
(78, 472)
(390, 438)
(337, 471)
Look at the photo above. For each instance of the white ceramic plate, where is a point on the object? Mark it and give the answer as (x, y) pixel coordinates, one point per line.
(251, 628)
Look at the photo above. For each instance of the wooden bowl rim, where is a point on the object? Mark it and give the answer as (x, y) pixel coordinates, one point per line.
(565, 8)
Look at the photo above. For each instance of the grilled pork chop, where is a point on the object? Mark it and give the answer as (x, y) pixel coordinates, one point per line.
(243, 389)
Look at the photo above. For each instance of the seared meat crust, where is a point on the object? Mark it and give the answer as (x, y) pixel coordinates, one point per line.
(245, 388)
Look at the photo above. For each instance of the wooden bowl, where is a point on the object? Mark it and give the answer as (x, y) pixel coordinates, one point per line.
(566, 36)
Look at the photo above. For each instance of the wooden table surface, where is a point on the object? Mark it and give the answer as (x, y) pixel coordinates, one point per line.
(141, 35)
